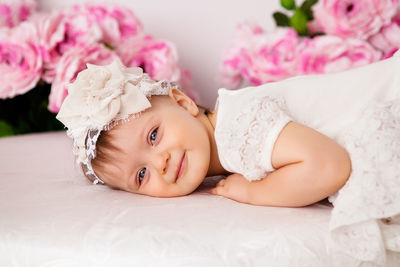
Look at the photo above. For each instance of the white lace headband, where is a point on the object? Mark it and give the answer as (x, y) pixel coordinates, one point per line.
(100, 98)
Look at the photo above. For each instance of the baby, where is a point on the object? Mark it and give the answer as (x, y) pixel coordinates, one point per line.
(165, 146)
(289, 143)
(147, 137)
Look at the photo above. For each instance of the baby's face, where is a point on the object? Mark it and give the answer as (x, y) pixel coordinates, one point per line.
(165, 151)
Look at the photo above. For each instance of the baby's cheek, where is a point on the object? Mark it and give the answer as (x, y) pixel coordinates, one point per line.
(156, 189)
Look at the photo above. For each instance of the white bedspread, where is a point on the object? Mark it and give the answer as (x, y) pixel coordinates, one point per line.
(51, 216)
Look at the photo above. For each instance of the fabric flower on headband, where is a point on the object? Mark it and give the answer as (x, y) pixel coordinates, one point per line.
(99, 98)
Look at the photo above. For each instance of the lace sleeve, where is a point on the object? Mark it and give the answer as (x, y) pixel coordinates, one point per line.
(245, 143)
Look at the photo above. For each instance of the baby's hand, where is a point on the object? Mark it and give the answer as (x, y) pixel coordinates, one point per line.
(235, 187)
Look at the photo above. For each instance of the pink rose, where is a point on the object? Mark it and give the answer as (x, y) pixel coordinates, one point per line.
(327, 53)
(387, 39)
(20, 59)
(353, 18)
(259, 57)
(12, 12)
(72, 62)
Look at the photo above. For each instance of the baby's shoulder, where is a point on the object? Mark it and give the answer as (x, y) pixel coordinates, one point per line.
(249, 103)
(246, 129)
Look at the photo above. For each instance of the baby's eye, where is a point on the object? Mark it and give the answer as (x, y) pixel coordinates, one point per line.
(153, 136)
(141, 175)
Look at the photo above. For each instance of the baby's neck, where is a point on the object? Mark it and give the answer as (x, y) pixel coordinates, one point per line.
(212, 118)
(215, 167)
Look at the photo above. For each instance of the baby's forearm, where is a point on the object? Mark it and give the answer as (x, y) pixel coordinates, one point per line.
(299, 184)
(309, 167)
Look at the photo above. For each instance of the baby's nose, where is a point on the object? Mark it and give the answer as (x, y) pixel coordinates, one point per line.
(161, 161)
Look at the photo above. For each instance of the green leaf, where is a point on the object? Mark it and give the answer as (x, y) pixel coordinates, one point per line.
(281, 19)
(316, 34)
(306, 7)
(109, 46)
(5, 129)
(309, 3)
(299, 22)
(288, 4)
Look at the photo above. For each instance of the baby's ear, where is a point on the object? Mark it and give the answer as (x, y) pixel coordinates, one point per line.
(184, 101)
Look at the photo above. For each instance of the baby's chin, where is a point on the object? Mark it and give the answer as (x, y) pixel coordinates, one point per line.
(164, 195)
(175, 190)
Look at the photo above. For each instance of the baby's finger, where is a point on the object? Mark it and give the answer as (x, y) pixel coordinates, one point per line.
(221, 182)
(218, 190)
(214, 191)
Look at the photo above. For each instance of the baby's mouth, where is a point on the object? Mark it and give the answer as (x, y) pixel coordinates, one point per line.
(181, 167)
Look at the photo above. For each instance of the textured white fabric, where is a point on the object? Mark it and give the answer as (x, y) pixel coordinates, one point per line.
(360, 109)
(373, 191)
(50, 215)
(243, 145)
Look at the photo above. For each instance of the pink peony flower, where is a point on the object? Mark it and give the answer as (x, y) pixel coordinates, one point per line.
(20, 59)
(132, 50)
(230, 71)
(58, 34)
(259, 57)
(52, 36)
(72, 62)
(12, 12)
(325, 54)
(161, 60)
(353, 18)
(158, 58)
(161, 63)
(108, 24)
(80, 25)
(387, 39)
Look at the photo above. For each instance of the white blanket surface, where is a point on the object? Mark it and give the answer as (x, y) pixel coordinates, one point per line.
(51, 216)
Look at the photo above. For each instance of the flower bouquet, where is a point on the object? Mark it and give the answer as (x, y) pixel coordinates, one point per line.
(314, 37)
(41, 53)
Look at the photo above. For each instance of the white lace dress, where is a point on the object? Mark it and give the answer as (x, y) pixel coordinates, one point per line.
(360, 109)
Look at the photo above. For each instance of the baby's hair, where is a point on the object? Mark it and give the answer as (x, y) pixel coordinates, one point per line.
(206, 110)
(104, 155)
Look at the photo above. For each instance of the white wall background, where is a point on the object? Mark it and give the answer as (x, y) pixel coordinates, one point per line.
(199, 28)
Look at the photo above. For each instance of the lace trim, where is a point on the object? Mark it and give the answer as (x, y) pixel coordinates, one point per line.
(246, 143)
(158, 88)
(365, 220)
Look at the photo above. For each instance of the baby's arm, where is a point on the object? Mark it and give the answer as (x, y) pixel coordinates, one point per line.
(309, 167)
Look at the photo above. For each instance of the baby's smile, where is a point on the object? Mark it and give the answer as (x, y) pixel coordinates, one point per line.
(181, 166)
